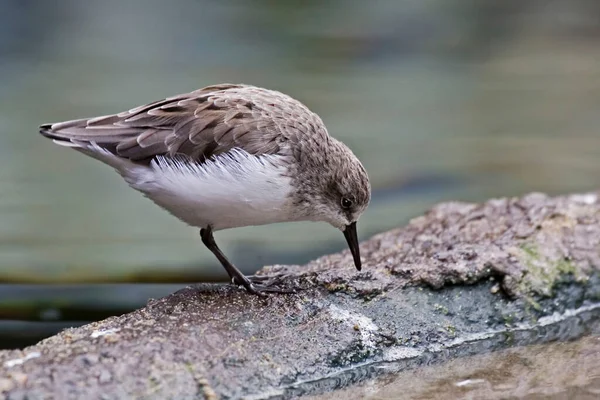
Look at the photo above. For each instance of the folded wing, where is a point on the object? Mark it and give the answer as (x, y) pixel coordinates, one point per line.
(199, 124)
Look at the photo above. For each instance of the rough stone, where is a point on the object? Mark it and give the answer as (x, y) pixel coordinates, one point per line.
(462, 279)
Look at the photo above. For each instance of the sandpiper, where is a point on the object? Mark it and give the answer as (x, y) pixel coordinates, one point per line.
(227, 156)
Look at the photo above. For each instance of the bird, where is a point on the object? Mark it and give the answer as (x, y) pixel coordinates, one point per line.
(227, 156)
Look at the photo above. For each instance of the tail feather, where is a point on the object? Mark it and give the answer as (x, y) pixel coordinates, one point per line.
(88, 147)
(140, 144)
(46, 131)
(78, 130)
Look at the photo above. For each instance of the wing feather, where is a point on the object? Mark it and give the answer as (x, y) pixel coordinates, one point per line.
(199, 124)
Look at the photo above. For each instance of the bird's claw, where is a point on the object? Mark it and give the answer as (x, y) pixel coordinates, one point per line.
(262, 285)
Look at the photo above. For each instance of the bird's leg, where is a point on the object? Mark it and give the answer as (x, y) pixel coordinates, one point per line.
(237, 277)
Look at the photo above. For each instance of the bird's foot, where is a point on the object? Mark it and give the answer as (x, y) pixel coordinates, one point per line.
(262, 285)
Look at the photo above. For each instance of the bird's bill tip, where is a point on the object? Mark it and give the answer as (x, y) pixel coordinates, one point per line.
(352, 239)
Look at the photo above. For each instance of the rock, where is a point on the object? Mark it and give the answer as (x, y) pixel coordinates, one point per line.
(105, 377)
(462, 279)
(6, 385)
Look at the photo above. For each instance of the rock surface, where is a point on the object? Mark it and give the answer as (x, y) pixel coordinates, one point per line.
(463, 279)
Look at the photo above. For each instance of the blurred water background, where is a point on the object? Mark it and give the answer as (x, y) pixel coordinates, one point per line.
(441, 99)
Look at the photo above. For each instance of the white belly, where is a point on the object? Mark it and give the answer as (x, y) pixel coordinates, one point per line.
(236, 189)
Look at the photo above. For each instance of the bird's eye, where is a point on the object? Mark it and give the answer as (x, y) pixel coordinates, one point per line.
(346, 202)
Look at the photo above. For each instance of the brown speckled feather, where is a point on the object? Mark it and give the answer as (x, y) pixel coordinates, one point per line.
(200, 124)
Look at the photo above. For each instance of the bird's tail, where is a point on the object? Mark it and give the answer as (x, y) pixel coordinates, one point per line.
(91, 148)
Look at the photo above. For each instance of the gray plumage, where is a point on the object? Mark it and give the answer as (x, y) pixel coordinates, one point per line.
(188, 151)
(200, 124)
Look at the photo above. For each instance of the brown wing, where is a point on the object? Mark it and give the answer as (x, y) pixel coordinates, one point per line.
(199, 124)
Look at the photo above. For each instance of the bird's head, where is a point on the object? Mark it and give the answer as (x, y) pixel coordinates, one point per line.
(340, 193)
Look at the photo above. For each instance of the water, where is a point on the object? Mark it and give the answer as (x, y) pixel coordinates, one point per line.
(476, 369)
(441, 100)
(567, 370)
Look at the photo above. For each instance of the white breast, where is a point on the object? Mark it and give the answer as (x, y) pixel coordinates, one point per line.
(234, 189)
